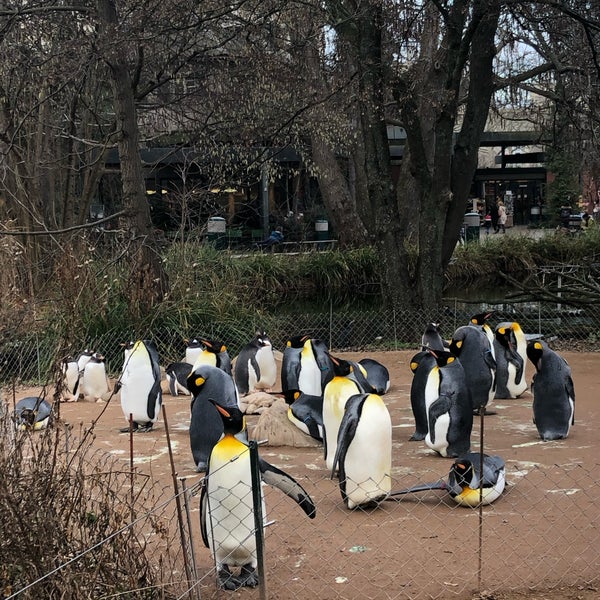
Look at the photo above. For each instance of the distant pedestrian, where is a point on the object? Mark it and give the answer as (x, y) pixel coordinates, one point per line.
(501, 217)
(487, 222)
(494, 215)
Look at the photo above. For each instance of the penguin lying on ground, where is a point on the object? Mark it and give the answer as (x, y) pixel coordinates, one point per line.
(32, 413)
(364, 451)
(255, 366)
(139, 384)
(226, 507)
(176, 374)
(467, 484)
(553, 392)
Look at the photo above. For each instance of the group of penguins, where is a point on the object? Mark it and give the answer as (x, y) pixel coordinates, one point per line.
(339, 403)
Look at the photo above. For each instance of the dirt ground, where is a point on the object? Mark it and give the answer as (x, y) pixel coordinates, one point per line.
(319, 549)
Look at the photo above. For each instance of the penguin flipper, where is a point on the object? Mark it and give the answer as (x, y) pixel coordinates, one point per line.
(288, 485)
(423, 487)
(204, 514)
(438, 408)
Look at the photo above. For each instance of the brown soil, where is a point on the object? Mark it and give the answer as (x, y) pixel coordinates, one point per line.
(538, 535)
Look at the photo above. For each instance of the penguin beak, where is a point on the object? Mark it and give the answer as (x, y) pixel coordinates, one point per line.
(222, 410)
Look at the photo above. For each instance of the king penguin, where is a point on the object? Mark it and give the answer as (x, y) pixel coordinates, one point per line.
(468, 483)
(213, 353)
(553, 392)
(510, 347)
(473, 347)
(94, 382)
(290, 367)
(255, 366)
(420, 364)
(306, 413)
(315, 369)
(335, 396)
(32, 413)
(377, 375)
(226, 503)
(139, 383)
(364, 451)
(448, 406)
(208, 385)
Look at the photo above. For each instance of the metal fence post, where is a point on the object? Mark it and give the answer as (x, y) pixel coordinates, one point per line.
(258, 518)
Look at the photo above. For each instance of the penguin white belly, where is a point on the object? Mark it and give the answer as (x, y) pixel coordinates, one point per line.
(71, 378)
(368, 462)
(136, 383)
(191, 355)
(334, 403)
(515, 389)
(94, 383)
(230, 520)
(268, 368)
(252, 377)
(309, 376)
(442, 424)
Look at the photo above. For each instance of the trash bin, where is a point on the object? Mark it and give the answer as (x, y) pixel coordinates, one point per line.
(472, 226)
(321, 229)
(216, 232)
(536, 215)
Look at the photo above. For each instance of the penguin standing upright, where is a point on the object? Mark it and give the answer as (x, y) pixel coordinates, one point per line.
(420, 364)
(290, 367)
(255, 367)
(432, 338)
(553, 392)
(364, 451)
(213, 353)
(472, 346)
(315, 369)
(510, 347)
(448, 406)
(208, 383)
(139, 384)
(335, 396)
(94, 382)
(226, 503)
(193, 350)
(70, 369)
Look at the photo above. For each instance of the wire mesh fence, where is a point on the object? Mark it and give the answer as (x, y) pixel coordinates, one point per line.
(543, 531)
(32, 357)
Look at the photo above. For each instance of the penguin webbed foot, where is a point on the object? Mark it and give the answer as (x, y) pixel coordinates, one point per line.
(144, 428)
(248, 576)
(134, 427)
(416, 437)
(227, 580)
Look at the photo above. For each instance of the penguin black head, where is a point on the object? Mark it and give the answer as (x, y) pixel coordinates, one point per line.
(341, 367)
(535, 352)
(481, 318)
(443, 357)
(232, 417)
(297, 341)
(213, 346)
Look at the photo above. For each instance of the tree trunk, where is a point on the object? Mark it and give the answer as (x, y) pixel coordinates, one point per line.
(148, 280)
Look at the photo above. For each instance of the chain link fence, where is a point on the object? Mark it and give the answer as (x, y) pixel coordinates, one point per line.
(31, 358)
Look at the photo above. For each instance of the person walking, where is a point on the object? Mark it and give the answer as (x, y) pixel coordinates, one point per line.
(501, 217)
(494, 214)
